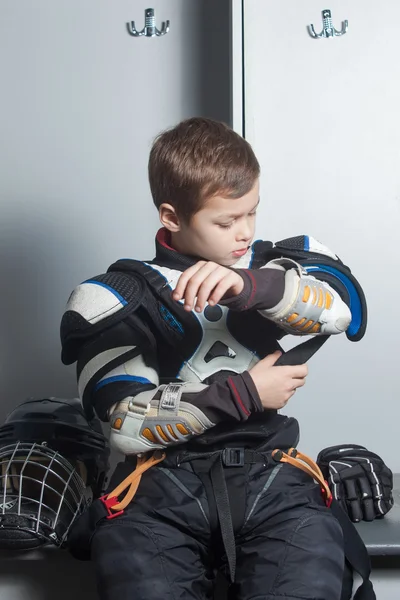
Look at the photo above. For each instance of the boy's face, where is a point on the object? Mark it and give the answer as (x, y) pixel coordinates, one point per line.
(222, 230)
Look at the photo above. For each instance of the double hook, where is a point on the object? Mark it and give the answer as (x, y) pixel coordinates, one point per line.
(150, 29)
(328, 28)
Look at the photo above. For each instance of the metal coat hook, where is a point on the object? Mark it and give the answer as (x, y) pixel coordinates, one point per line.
(150, 29)
(328, 28)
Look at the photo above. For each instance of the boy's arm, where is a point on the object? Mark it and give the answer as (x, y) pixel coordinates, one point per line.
(262, 289)
(118, 378)
(286, 294)
(121, 384)
(282, 291)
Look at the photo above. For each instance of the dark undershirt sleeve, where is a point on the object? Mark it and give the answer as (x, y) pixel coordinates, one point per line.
(263, 289)
(236, 399)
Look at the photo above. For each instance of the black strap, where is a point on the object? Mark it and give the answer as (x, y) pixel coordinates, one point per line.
(356, 553)
(301, 353)
(230, 456)
(224, 514)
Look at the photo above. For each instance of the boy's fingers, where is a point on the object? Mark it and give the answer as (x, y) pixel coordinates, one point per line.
(209, 286)
(183, 279)
(194, 286)
(192, 278)
(200, 285)
(221, 288)
(298, 371)
(271, 359)
(298, 383)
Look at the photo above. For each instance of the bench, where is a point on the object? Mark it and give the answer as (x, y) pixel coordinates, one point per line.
(382, 536)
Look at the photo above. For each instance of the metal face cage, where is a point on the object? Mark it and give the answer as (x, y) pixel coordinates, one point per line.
(41, 494)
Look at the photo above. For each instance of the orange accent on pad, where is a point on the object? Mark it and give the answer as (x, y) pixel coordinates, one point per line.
(299, 324)
(117, 423)
(292, 317)
(182, 429)
(148, 434)
(172, 432)
(307, 325)
(320, 298)
(316, 328)
(307, 292)
(161, 433)
(328, 300)
(314, 300)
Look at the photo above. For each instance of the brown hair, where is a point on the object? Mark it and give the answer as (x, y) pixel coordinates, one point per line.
(196, 160)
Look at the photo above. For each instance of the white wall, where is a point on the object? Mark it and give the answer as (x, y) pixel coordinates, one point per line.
(81, 103)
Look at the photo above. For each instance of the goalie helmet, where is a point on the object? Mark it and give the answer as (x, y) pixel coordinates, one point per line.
(53, 463)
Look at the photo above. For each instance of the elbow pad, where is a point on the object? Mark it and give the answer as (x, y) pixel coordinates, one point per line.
(158, 418)
(309, 306)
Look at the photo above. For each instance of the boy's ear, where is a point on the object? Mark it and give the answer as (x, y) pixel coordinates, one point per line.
(169, 218)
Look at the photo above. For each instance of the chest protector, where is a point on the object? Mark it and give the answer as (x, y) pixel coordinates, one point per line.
(217, 340)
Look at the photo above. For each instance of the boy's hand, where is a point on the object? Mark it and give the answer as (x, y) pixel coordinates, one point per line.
(209, 282)
(276, 385)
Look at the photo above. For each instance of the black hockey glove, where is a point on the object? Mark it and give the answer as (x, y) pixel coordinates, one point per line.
(359, 480)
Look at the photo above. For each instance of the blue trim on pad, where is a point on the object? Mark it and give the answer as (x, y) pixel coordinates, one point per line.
(104, 382)
(252, 253)
(355, 302)
(110, 289)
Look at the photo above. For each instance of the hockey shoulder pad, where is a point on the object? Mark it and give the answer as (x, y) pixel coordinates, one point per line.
(95, 305)
(323, 264)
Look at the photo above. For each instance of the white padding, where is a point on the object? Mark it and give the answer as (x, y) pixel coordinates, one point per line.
(171, 275)
(97, 363)
(94, 302)
(135, 367)
(316, 246)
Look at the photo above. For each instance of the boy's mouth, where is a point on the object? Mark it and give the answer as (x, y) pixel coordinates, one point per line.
(240, 252)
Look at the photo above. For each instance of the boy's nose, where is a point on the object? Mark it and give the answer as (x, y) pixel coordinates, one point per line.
(244, 234)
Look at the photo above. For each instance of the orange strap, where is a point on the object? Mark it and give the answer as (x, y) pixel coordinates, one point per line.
(305, 463)
(131, 483)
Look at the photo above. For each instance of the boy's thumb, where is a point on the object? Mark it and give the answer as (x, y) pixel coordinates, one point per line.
(271, 359)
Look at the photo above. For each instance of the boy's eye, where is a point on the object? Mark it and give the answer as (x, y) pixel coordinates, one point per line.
(225, 225)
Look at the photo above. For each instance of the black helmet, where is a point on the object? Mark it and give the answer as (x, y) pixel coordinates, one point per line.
(53, 463)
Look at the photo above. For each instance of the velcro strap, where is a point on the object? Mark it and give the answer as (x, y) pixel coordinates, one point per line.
(170, 399)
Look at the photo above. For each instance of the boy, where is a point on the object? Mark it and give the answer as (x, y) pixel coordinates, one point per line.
(179, 354)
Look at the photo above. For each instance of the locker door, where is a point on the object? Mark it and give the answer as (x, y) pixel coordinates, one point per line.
(323, 118)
